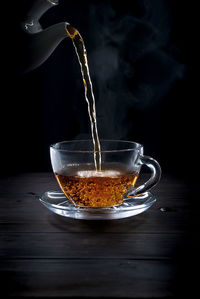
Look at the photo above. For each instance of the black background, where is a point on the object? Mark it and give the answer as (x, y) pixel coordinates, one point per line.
(47, 105)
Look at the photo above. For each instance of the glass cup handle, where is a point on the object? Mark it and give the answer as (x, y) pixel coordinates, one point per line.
(154, 179)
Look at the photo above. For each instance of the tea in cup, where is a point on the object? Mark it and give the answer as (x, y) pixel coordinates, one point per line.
(84, 186)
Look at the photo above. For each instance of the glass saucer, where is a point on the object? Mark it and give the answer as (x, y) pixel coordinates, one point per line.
(57, 202)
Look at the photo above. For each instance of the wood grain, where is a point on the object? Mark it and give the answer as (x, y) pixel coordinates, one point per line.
(46, 255)
(86, 278)
(91, 245)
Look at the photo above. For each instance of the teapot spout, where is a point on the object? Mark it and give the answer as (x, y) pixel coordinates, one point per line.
(41, 45)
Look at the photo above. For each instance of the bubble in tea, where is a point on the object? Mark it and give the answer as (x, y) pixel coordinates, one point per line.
(90, 188)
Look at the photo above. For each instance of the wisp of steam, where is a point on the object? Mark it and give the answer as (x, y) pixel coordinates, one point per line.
(131, 59)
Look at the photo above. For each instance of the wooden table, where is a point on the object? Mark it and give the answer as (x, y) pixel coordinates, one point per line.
(150, 255)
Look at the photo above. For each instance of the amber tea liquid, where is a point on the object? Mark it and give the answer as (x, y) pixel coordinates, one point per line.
(89, 94)
(87, 187)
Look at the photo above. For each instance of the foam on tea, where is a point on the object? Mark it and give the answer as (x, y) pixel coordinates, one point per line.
(89, 94)
(105, 188)
(93, 173)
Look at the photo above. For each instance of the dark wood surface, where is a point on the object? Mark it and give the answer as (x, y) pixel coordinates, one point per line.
(154, 254)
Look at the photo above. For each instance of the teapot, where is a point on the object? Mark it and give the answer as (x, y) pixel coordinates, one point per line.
(38, 43)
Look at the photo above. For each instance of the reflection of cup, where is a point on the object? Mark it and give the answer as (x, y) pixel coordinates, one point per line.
(121, 161)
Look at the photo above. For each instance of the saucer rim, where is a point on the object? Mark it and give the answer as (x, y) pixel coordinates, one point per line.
(151, 199)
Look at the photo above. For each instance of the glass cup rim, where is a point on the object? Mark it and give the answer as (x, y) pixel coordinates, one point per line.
(138, 146)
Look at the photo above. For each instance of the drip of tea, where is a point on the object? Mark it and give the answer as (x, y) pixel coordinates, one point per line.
(89, 95)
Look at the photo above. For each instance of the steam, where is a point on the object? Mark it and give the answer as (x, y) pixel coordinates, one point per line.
(132, 62)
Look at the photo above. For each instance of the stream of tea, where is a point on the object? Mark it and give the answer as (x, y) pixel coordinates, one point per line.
(89, 95)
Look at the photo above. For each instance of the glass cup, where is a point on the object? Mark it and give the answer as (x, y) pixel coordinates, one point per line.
(121, 162)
